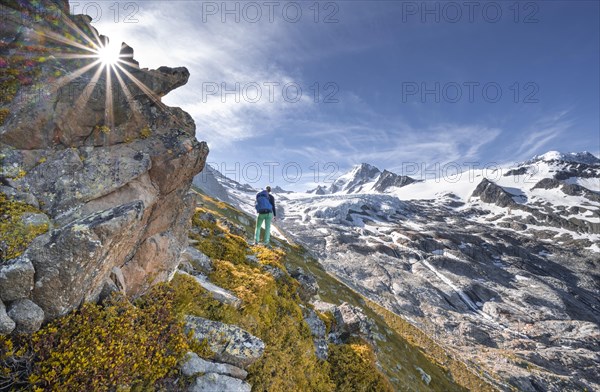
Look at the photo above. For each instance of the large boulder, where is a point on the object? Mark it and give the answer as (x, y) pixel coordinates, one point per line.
(28, 317)
(108, 164)
(230, 344)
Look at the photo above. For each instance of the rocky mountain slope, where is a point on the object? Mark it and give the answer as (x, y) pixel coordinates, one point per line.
(92, 160)
(499, 266)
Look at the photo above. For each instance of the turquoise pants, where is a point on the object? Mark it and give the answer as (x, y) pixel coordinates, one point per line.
(259, 222)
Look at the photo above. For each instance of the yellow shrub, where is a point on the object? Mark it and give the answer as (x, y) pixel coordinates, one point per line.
(220, 244)
(15, 236)
(3, 114)
(117, 346)
(353, 368)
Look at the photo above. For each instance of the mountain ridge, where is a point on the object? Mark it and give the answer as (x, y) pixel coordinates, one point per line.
(482, 263)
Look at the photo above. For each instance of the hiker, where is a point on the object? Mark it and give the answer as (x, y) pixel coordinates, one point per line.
(265, 206)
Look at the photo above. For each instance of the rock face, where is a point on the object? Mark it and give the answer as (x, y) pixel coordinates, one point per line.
(102, 157)
(491, 193)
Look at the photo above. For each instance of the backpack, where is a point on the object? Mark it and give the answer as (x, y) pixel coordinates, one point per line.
(263, 205)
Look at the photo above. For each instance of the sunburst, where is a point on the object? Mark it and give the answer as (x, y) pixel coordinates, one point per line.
(104, 57)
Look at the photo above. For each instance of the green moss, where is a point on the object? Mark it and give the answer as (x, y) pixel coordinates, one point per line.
(219, 244)
(15, 236)
(353, 368)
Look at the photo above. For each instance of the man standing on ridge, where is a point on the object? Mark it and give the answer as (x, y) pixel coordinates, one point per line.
(265, 207)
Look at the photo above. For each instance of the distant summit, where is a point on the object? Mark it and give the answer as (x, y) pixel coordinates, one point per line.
(279, 189)
(365, 178)
(573, 157)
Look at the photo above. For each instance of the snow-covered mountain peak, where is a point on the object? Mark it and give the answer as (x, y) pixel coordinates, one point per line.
(584, 157)
(356, 179)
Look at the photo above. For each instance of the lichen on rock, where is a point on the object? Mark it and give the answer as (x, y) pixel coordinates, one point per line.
(106, 165)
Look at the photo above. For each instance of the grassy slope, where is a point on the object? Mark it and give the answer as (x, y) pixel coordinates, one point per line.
(404, 347)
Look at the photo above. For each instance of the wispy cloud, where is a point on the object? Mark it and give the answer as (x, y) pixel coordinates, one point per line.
(541, 133)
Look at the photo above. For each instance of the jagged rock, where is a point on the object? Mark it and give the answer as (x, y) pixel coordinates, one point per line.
(275, 272)
(193, 364)
(16, 278)
(388, 180)
(351, 321)
(315, 324)
(578, 190)
(308, 284)
(7, 325)
(233, 228)
(547, 183)
(348, 318)
(318, 330)
(197, 260)
(112, 177)
(230, 344)
(491, 193)
(218, 293)
(212, 382)
(66, 259)
(28, 317)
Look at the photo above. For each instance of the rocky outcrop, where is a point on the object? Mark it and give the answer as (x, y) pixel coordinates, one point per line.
(491, 193)
(230, 344)
(107, 163)
(387, 180)
(318, 330)
(308, 284)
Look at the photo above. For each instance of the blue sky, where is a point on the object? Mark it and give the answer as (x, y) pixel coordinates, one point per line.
(432, 83)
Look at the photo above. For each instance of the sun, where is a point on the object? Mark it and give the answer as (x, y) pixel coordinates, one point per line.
(108, 54)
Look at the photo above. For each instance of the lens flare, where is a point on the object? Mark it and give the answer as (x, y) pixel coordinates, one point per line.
(108, 55)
